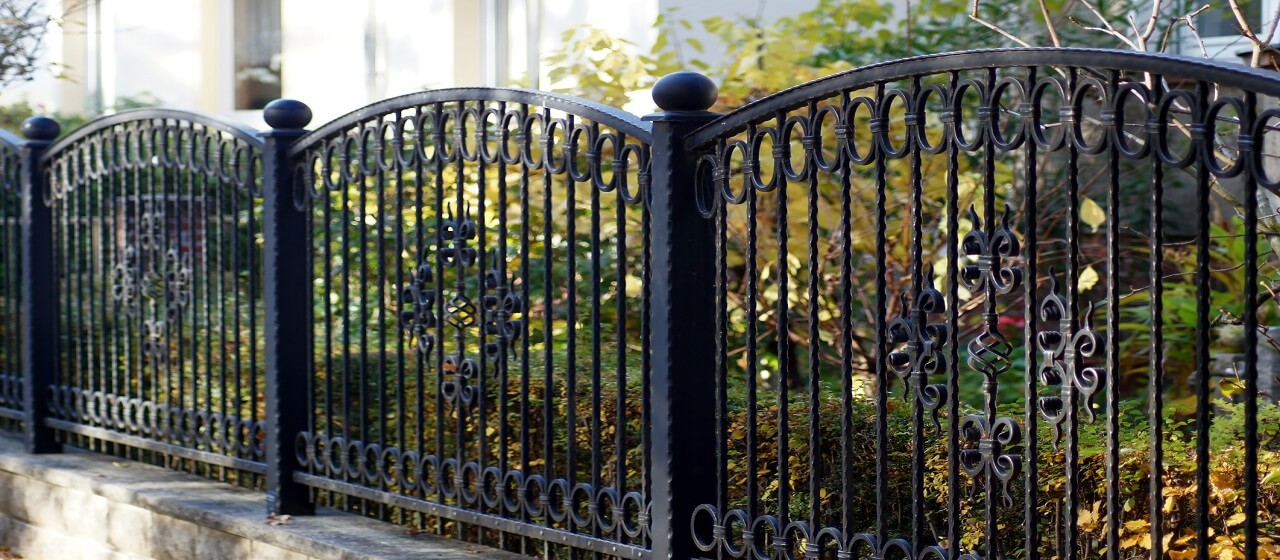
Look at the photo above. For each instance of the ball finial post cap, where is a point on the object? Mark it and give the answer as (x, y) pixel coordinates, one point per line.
(685, 92)
(41, 128)
(287, 114)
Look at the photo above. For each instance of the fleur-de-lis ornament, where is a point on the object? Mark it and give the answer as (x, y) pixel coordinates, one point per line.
(922, 341)
(1061, 366)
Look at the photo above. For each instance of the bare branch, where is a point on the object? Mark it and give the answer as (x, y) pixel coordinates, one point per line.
(1106, 25)
(974, 16)
(1048, 22)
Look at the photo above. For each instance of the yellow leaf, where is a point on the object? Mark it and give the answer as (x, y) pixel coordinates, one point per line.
(1088, 279)
(1235, 519)
(1091, 213)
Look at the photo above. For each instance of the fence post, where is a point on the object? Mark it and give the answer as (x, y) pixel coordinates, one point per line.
(286, 279)
(683, 319)
(39, 289)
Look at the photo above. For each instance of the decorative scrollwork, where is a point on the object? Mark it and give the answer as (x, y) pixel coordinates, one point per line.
(991, 439)
(1061, 366)
(990, 352)
(512, 492)
(417, 314)
(163, 277)
(457, 389)
(207, 429)
(991, 252)
(921, 354)
(503, 311)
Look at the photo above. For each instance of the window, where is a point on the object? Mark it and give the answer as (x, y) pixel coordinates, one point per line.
(1219, 21)
(257, 56)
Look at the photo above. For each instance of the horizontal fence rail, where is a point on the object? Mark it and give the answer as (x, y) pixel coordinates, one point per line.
(992, 304)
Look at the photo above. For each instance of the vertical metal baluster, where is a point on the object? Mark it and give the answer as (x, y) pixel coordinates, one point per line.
(990, 386)
(1072, 517)
(597, 320)
(881, 310)
(222, 273)
(500, 259)
(401, 410)
(208, 247)
(918, 285)
(420, 243)
(846, 321)
(325, 271)
(954, 492)
(231, 337)
(382, 222)
(439, 135)
(526, 442)
(815, 373)
(571, 322)
(193, 249)
(1113, 323)
(460, 286)
(548, 324)
(1249, 153)
(646, 330)
(365, 405)
(753, 361)
(1202, 144)
(482, 265)
(722, 349)
(1031, 498)
(783, 318)
(1156, 379)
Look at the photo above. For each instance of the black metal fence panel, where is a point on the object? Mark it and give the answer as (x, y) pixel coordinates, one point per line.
(479, 261)
(973, 305)
(10, 284)
(946, 294)
(156, 242)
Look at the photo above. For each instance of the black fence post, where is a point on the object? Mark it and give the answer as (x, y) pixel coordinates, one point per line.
(286, 282)
(683, 315)
(39, 289)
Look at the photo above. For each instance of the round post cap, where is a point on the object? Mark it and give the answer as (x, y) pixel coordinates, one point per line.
(287, 113)
(685, 91)
(40, 128)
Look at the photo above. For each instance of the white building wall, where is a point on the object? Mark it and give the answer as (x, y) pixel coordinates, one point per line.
(339, 55)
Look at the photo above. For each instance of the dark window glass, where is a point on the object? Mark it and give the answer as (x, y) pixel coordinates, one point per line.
(257, 38)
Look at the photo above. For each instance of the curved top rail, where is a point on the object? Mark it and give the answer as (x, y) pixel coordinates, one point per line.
(1232, 75)
(239, 132)
(625, 122)
(10, 140)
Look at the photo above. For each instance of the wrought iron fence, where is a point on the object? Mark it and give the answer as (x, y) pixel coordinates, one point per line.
(155, 230)
(970, 305)
(10, 284)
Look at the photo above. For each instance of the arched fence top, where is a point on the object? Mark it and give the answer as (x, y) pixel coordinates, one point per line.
(238, 132)
(141, 138)
(1230, 75)
(10, 144)
(623, 121)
